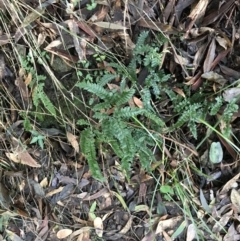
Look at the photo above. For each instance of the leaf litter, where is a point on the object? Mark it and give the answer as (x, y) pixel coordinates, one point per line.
(53, 185)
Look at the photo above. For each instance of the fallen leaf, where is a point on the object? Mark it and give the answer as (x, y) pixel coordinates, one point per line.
(73, 141)
(98, 224)
(220, 225)
(181, 60)
(191, 232)
(230, 94)
(127, 226)
(171, 223)
(108, 25)
(229, 184)
(22, 158)
(222, 42)
(63, 233)
(216, 153)
(44, 182)
(35, 14)
(235, 199)
(28, 80)
(138, 102)
(55, 191)
(210, 56)
(204, 202)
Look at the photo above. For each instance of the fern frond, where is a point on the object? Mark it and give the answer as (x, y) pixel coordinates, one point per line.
(124, 97)
(154, 118)
(106, 79)
(128, 112)
(94, 89)
(215, 107)
(39, 94)
(87, 144)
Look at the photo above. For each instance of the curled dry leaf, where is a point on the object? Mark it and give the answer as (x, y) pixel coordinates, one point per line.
(210, 56)
(63, 233)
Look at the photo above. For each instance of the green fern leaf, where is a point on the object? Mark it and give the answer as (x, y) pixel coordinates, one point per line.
(95, 89)
(87, 144)
(39, 94)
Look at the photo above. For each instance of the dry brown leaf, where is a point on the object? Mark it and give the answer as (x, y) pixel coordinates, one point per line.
(127, 226)
(199, 57)
(171, 223)
(80, 231)
(41, 38)
(210, 56)
(230, 72)
(86, 28)
(180, 60)
(214, 15)
(63, 233)
(138, 102)
(23, 158)
(197, 13)
(232, 234)
(113, 87)
(28, 80)
(229, 184)
(35, 14)
(168, 9)
(22, 88)
(44, 182)
(165, 28)
(100, 14)
(98, 225)
(219, 226)
(73, 141)
(179, 91)
(54, 192)
(109, 25)
(78, 43)
(213, 76)
(222, 42)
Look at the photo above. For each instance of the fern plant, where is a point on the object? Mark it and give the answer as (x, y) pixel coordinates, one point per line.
(119, 130)
(40, 98)
(123, 128)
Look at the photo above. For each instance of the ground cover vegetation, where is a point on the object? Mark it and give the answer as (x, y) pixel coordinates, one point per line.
(119, 120)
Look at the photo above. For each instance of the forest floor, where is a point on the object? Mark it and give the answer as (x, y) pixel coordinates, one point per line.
(119, 120)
